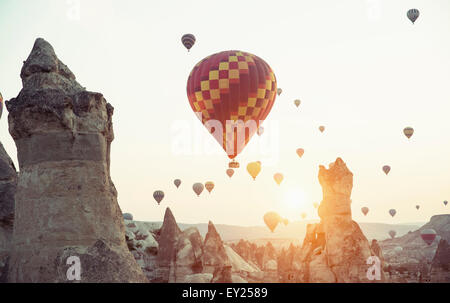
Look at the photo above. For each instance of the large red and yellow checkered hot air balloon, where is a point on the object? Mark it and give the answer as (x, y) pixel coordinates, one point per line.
(232, 93)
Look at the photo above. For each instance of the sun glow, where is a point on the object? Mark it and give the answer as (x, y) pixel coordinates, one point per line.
(295, 200)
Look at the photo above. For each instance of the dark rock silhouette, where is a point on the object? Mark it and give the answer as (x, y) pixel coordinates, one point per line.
(214, 254)
(8, 184)
(66, 202)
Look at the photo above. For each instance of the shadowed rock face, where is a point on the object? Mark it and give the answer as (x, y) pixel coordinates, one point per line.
(8, 183)
(336, 250)
(214, 254)
(66, 202)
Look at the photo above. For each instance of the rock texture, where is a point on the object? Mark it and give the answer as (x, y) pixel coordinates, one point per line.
(336, 250)
(66, 203)
(8, 183)
(214, 254)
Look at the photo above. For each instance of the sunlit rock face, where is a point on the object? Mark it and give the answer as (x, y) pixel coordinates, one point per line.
(66, 203)
(8, 183)
(336, 250)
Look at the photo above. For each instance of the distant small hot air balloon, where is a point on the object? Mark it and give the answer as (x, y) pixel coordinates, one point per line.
(300, 152)
(392, 233)
(297, 102)
(392, 212)
(278, 177)
(279, 91)
(445, 203)
(188, 41)
(209, 186)
(177, 182)
(322, 128)
(398, 249)
(253, 169)
(386, 169)
(303, 215)
(260, 130)
(285, 222)
(428, 235)
(417, 207)
(272, 219)
(413, 14)
(158, 196)
(198, 188)
(408, 131)
(230, 172)
(365, 210)
(127, 216)
(1, 105)
(315, 204)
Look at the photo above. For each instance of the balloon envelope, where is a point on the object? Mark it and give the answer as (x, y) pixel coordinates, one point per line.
(445, 203)
(285, 221)
(177, 182)
(158, 196)
(272, 219)
(303, 215)
(279, 91)
(386, 169)
(297, 102)
(188, 41)
(198, 188)
(315, 204)
(209, 186)
(322, 129)
(417, 207)
(230, 172)
(365, 210)
(232, 92)
(408, 131)
(392, 233)
(300, 152)
(413, 14)
(392, 212)
(253, 169)
(278, 178)
(428, 235)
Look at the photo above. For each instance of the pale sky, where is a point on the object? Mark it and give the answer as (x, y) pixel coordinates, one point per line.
(359, 67)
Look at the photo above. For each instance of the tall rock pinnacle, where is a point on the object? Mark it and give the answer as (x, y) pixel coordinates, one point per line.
(336, 250)
(66, 203)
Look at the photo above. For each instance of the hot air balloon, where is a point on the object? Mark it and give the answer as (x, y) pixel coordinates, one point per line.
(428, 235)
(158, 195)
(315, 204)
(188, 41)
(392, 233)
(272, 219)
(392, 212)
(408, 131)
(300, 152)
(297, 102)
(1, 105)
(230, 172)
(279, 91)
(445, 203)
(398, 249)
(386, 169)
(177, 182)
(285, 222)
(278, 178)
(413, 14)
(417, 207)
(127, 216)
(253, 169)
(365, 210)
(198, 188)
(322, 128)
(232, 92)
(303, 215)
(260, 131)
(209, 186)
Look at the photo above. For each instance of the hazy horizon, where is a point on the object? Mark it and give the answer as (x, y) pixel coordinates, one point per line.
(359, 67)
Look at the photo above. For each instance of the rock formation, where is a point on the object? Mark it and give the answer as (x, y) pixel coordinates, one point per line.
(66, 203)
(214, 254)
(440, 265)
(8, 183)
(336, 250)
